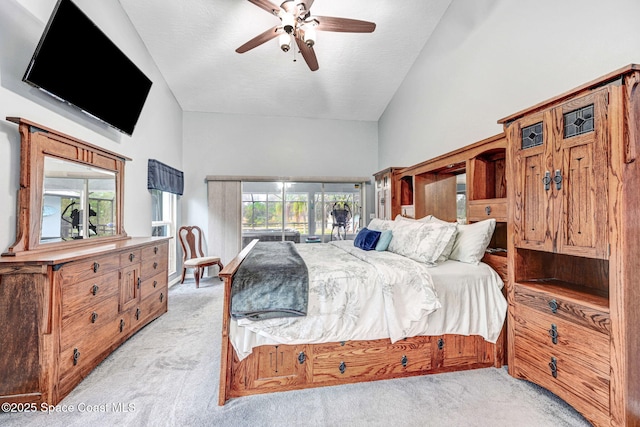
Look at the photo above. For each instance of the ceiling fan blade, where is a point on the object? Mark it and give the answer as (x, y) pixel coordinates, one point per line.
(271, 33)
(266, 5)
(343, 25)
(308, 54)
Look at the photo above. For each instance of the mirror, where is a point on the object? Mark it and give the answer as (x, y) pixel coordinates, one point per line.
(71, 190)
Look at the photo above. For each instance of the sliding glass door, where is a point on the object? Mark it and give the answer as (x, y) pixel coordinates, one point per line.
(302, 212)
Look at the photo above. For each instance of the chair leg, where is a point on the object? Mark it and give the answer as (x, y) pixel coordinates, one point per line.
(184, 271)
(196, 275)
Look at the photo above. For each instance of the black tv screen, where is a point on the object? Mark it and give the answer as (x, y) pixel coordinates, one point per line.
(77, 63)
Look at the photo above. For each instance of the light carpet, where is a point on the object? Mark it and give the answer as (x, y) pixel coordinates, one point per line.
(167, 375)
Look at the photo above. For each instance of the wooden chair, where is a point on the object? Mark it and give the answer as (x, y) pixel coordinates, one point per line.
(191, 240)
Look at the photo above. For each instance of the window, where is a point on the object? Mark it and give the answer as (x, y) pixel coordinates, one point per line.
(163, 222)
(298, 211)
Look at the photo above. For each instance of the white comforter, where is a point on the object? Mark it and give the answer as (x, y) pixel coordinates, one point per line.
(366, 295)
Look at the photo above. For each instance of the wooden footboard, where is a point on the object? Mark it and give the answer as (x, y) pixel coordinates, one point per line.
(272, 368)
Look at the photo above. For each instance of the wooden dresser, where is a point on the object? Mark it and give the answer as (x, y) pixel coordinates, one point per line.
(574, 240)
(62, 312)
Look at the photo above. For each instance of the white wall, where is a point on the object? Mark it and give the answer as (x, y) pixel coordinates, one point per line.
(488, 59)
(226, 144)
(158, 133)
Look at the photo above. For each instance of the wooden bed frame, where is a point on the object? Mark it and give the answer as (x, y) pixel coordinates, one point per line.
(272, 368)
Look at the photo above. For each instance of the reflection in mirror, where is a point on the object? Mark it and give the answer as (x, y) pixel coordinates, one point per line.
(79, 201)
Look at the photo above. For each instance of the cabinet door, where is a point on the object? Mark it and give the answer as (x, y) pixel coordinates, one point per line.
(581, 142)
(530, 152)
(129, 286)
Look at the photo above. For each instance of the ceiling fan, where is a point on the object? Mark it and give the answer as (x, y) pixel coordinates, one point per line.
(297, 22)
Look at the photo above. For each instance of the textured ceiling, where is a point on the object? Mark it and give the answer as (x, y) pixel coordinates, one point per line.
(193, 43)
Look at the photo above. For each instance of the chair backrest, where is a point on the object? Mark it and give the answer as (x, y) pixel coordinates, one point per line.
(341, 213)
(191, 240)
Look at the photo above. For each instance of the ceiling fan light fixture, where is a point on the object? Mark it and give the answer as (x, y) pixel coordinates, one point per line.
(288, 22)
(284, 40)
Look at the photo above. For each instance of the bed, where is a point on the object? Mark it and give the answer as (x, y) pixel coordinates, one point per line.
(370, 315)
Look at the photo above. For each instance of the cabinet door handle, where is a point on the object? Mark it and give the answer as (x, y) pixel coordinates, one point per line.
(139, 280)
(155, 283)
(96, 266)
(94, 317)
(547, 181)
(155, 250)
(553, 305)
(121, 325)
(138, 313)
(94, 289)
(131, 257)
(155, 265)
(487, 209)
(557, 178)
(161, 296)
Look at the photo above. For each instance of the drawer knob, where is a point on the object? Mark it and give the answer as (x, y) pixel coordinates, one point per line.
(138, 313)
(131, 257)
(301, 357)
(404, 360)
(553, 333)
(155, 283)
(76, 356)
(487, 209)
(121, 325)
(161, 296)
(138, 283)
(342, 367)
(155, 265)
(553, 366)
(94, 289)
(96, 266)
(94, 317)
(553, 305)
(155, 250)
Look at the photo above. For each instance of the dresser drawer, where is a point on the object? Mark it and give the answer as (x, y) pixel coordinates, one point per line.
(563, 308)
(157, 252)
(478, 210)
(78, 296)
(84, 352)
(149, 308)
(561, 337)
(153, 284)
(152, 267)
(336, 362)
(89, 268)
(130, 257)
(88, 322)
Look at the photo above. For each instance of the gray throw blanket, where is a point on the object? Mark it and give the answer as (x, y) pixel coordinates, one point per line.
(272, 281)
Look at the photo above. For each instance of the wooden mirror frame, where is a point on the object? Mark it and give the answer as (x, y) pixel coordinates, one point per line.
(36, 141)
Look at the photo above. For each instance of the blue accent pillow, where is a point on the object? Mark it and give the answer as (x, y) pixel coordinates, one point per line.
(384, 240)
(367, 239)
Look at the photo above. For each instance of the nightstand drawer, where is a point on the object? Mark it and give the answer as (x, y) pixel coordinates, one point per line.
(560, 337)
(478, 210)
(563, 308)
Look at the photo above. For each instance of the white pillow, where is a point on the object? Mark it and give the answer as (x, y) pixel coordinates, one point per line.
(404, 218)
(446, 253)
(472, 240)
(421, 241)
(378, 224)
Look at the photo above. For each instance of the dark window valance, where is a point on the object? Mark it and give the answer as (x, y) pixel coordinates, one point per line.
(164, 178)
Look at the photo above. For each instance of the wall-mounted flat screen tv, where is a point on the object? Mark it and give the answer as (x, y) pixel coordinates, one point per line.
(78, 64)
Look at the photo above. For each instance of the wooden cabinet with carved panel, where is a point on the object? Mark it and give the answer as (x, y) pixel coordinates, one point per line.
(572, 253)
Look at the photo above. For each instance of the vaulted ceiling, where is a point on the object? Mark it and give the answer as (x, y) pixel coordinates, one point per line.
(193, 43)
